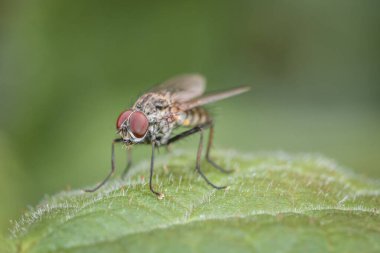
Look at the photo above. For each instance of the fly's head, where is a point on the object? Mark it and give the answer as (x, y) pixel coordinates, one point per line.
(132, 125)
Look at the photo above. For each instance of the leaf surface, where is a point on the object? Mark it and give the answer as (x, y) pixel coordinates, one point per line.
(275, 202)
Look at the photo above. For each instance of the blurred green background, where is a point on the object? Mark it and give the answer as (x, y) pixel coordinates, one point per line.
(67, 68)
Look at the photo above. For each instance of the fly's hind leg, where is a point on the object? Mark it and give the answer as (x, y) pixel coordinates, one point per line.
(209, 145)
(191, 131)
(198, 163)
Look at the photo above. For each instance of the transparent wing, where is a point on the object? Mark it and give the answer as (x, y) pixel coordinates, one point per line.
(215, 97)
(183, 88)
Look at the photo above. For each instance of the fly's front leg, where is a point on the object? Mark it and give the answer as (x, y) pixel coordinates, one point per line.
(112, 166)
(159, 194)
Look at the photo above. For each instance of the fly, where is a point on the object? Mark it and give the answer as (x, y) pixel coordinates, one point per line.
(151, 120)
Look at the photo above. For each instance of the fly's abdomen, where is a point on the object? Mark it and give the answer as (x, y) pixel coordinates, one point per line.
(195, 116)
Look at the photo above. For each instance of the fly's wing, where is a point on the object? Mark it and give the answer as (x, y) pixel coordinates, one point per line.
(215, 97)
(183, 88)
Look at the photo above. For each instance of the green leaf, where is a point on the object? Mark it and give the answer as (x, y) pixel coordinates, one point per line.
(275, 202)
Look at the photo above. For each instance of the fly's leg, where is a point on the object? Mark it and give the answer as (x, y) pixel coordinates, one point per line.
(198, 163)
(200, 147)
(186, 133)
(159, 195)
(112, 166)
(129, 163)
(209, 145)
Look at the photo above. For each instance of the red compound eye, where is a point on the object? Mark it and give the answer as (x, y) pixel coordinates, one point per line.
(138, 124)
(122, 117)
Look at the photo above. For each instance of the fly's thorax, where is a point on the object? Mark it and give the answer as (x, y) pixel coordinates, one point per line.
(193, 117)
(151, 103)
